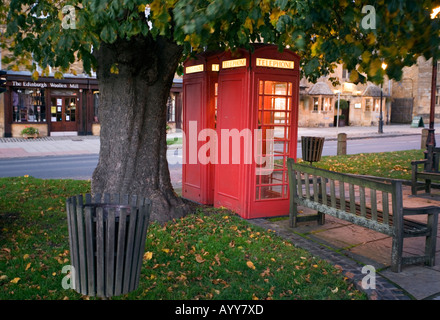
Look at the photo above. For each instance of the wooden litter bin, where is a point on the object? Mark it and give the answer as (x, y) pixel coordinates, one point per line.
(312, 148)
(107, 242)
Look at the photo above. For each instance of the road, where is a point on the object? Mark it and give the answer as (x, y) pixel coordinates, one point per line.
(82, 166)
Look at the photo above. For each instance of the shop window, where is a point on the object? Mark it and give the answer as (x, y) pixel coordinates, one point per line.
(28, 105)
(95, 106)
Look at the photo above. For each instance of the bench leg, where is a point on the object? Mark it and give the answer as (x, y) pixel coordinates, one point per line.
(321, 218)
(293, 214)
(428, 185)
(431, 240)
(396, 253)
(414, 181)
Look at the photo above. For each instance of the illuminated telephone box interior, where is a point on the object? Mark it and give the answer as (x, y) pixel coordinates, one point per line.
(251, 107)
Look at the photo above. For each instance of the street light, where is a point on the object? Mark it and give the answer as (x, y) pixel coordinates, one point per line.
(430, 141)
(384, 66)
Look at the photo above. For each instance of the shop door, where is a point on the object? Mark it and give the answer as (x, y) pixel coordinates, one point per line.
(63, 114)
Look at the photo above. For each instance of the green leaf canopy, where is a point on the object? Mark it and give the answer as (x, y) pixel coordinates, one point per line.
(359, 34)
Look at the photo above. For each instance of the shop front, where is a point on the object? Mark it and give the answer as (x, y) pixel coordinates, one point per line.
(53, 106)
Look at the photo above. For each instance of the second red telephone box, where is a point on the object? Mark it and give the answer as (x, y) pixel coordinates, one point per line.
(199, 112)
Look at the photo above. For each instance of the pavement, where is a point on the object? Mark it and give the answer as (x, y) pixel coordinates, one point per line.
(346, 246)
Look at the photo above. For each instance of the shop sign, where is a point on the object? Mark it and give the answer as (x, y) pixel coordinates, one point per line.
(33, 84)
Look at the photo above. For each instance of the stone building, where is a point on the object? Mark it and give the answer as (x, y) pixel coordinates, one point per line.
(319, 102)
(412, 95)
(66, 106)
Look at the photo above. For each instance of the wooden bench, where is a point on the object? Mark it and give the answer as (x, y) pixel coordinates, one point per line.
(417, 175)
(366, 202)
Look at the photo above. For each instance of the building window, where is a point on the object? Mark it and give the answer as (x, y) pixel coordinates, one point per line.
(28, 105)
(437, 96)
(315, 104)
(376, 106)
(368, 104)
(326, 104)
(345, 74)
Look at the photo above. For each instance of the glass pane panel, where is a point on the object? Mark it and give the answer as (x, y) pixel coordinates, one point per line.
(275, 88)
(281, 133)
(274, 104)
(271, 192)
(70, 109)
(56, 110)
(278, 162)
(279, 103)
(278, 147)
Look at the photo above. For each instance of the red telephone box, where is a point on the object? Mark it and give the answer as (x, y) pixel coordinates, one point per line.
(256, 123)
(199, 108)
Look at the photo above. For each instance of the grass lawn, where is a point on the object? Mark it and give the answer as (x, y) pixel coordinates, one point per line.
(211, 254)
(396, 165)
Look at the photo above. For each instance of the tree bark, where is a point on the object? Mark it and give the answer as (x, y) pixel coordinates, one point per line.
(132, 114)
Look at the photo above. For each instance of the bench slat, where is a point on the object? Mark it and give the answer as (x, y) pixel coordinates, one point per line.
(385, 207)
(315, 188)
(307, 184)
(362, 201)
(342, 194)
(373, 204)
(352, 199)
(299, 183)
(332, 193)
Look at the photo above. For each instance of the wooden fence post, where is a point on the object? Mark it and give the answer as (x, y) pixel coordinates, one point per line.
(424, 138)
(342, 144)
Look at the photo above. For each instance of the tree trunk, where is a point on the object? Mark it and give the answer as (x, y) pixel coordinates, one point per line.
(132, 113)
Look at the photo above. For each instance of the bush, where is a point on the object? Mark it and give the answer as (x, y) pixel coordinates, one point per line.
(29, 130)
(343, 104)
